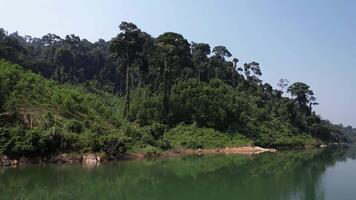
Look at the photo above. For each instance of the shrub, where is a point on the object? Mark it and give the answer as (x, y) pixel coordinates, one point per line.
(114, 142)
(74, 126)
(151, 150)
(214, 105)
(193, 137)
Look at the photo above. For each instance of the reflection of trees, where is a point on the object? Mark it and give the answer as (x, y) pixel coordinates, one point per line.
(270, 176)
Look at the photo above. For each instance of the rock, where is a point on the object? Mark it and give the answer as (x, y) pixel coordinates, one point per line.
(63, 158)
(4, 160)
(261, 150)
(23, 160)
(67, 158)
(14, 162)
(91, 159)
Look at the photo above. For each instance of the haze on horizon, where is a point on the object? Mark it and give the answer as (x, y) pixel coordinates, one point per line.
(308, 41)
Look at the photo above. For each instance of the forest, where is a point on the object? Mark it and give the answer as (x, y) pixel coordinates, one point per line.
(138, 93)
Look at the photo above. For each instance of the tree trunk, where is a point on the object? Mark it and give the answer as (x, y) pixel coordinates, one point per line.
(199, 76)
(233, 75)
(127, 97)
(165, 90)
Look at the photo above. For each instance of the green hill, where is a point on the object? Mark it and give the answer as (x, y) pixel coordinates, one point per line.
(42, 117)
(140, 93)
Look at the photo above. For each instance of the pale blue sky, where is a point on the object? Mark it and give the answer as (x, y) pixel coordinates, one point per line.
(313, 41)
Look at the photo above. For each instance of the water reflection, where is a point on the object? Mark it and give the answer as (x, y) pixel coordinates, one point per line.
(281, 175)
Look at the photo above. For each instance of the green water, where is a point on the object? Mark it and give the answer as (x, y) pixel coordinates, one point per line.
(328, 174)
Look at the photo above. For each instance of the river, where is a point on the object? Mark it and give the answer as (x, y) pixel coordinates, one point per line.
(323, 174)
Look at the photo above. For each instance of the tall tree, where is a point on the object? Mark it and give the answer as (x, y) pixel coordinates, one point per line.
(282, 83)
(221, 51)
(235, 61)
(303, 96)
(218, 63)
(65, 60)
(11, 48)
(173, 50)
(50, 43)
(253, 71)
(200, 52)
(127, 45)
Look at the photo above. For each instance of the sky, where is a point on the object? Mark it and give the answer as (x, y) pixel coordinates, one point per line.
(312, 41)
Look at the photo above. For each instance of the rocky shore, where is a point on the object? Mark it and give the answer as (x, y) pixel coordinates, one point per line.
(94, 159)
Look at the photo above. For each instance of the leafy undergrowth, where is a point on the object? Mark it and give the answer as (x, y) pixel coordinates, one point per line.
(193, 137)
(46, 117)
(276, 133)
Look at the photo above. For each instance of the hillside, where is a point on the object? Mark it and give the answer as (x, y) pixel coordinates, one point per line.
(42, 117)
(139, 93)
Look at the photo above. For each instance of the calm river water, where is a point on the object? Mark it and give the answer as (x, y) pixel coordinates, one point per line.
(328, 174)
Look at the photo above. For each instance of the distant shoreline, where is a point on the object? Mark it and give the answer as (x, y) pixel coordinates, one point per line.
(97, 158)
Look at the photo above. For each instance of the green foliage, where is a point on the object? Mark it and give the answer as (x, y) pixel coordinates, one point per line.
(48, 120)
(146, 107)
(74, 125)
(59, 112)
(114, 143)
(212, 104)
(5, 140)
(151, 150)
(131, 94)
(191, 136)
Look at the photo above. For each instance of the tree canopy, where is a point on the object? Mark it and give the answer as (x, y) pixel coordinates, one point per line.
(156, 84)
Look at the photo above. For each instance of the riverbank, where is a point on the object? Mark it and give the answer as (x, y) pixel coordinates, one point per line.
(96, 158)
(248, 150)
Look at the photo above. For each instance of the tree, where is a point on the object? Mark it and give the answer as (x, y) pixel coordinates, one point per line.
(72, 41)
(127, 45)
(312, 99)
(11, 47)
(212, 104)
(253, 71)
(200, 52)
(64, 57)
(173, 54)
(283, 82)
(3, 33)
(180, 55)
(303, 96)
(143, 60)
(166, 51)
(218, 65)
(65, 61)
(50, 43)
(221, 51)
(235, 61)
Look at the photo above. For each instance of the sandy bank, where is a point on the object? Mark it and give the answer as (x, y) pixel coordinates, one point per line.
(180, 152)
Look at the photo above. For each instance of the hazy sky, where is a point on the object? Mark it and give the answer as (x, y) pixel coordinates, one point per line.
(313, 41)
